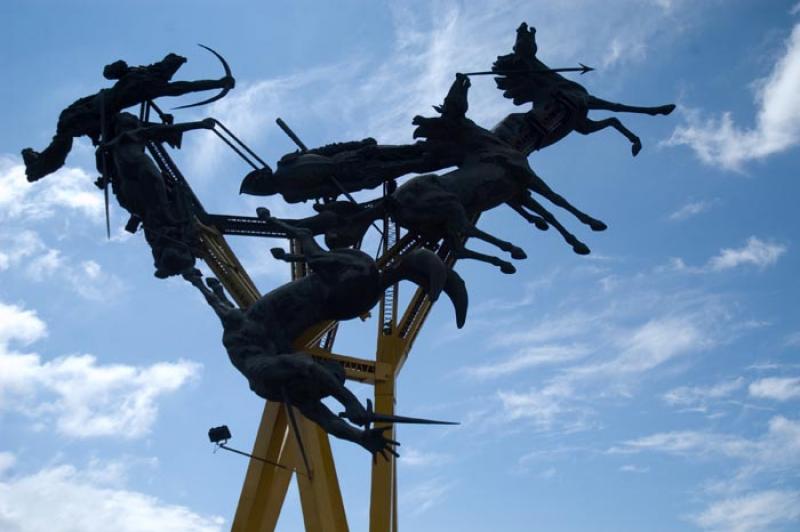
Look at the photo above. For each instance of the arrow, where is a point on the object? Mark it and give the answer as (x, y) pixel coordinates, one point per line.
(583, 69)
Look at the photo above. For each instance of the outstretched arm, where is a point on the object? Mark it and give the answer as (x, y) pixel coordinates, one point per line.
(179, 88)
(171, 133)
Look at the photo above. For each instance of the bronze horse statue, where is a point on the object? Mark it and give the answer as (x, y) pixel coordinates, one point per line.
(560, 105)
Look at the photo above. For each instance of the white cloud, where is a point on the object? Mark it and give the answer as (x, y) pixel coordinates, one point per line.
(18, 245)
(548, 406)
(693, 208)
(757, 511)
(527, 358)
(63, 498)
(26, 251)
(755, 252)
(69, 189)
(82, 397)
(776, 450)
(658, 341)
(415, 458)
(425, 495)
(19, 325)
(689, 443)
(777, 124)
(698, 397)
(777, 388)
(86, 398)
(632, 468)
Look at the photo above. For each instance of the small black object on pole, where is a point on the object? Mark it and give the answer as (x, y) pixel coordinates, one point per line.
(219, 436)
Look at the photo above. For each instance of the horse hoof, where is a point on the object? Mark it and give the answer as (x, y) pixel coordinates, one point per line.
(507, 268)
(541, 225)
(581, 249)
(518, 254)
(597, 225)
(263, 213)
(636, 148)
(278, 253)
(666, 109)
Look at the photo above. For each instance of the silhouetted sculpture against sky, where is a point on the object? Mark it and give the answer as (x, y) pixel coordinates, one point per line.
(329, 171)
(133, 86)
(492, 169)
(560, 105)
(141, 190)
(342, 285)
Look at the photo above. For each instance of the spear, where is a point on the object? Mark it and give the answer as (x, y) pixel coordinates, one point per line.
(583, 69)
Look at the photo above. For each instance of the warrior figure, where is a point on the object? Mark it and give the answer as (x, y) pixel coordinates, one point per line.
(344, 284)
(134, 85)
(141, 189)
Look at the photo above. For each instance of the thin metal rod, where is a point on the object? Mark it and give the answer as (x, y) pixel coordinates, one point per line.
(276, 464)
(286, 129)
(234, 148)
(244, 146)
(296, 429)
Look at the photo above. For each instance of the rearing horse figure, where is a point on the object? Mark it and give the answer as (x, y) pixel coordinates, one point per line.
(560, 105)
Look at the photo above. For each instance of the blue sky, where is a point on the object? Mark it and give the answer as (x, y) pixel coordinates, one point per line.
(652, 385)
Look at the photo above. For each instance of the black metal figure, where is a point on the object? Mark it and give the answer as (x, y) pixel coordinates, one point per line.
(344, 284)
(560, 105)
(133, 86)
(142, 191)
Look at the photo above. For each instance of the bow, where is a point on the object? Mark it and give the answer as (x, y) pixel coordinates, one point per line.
(224, 91)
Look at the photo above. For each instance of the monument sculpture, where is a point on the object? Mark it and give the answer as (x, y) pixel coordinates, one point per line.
(282, 341)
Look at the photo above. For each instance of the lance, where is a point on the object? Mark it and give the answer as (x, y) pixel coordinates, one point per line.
(104, 158)
(583, 69)
(374, 417)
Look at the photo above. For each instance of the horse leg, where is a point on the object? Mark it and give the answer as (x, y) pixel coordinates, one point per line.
(508, 247)
(280, 254)
(538, 221)
(596, 103)
(587, 126)
(460, 252)
(537, 184)
(311, 249)
(577, 246)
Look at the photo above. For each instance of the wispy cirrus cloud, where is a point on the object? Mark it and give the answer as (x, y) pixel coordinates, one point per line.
(752, 512)
(699, 397)
(720, 142)
(692, 209)
(776, 450)
(425, 495)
